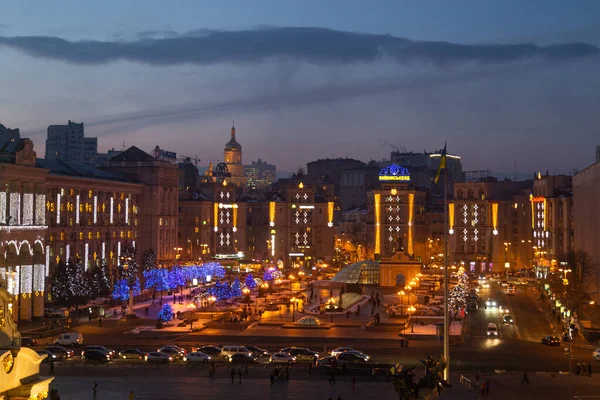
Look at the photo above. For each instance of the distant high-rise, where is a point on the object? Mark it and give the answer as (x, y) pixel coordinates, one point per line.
(68, 143)
(7, 134)
(260, 175)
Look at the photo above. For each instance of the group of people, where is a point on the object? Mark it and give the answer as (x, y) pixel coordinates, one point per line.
(584, 369)
(278, 373)
(239, 372)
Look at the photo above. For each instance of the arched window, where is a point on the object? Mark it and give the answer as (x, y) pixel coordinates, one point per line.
(470, 194)
(459, 194)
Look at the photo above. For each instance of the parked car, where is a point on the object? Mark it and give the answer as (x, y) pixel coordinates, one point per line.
(242, 358)
(326, 361)
(197, 356)
(303, 354)
(282, 358)
(213, 351)
(69, 339)
(111, 353)
(49, 356)
(257, 351)
(131, 354)
(60, 352)
(228, 351)
(95, 355)
(358, 353)
(172, 352)
(339, 350)
(28, 342)
(157, 357)
(350, 358)
(551, 340)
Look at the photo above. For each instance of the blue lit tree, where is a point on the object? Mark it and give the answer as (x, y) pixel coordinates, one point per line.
(121, 289)
(166, 313)
(221, 290)
(176, 278)
(156, 279)
(236, 288)
(148, 260)
(250, 282)
(268, 276)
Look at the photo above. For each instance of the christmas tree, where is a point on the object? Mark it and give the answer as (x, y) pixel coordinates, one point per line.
(104, 286)
(156, 279)
(93, 279)
(236, 288)
(60, 284)
(166, 313)
(268, 276)
(121, 290)
(176, 278)
(79, 284)
(250, 283)
(221, 290)
(149, 260)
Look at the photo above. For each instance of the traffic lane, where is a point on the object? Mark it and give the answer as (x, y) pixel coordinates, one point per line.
(530, 321)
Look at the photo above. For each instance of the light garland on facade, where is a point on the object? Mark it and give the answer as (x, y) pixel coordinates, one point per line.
(330, 209)
(272, 213)
(12, 281)
(68, 252)
(15, 209)
(377, 223)
(23, 228)
(40, 209)
(545, 211)
(451, 218)
(118, 252)
(104, 250)
(26, 278)
(112, 210)
(58, 197)
(39, 278)
(273, 245)
(77, 199)
(127, 211)
(235, 217)
(2, 207)
(216, 216)
(495, 218)
(28, 209)
(86, 255)
(95, 209)
(47, 261)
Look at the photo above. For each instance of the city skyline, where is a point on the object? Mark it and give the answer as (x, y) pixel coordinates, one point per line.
(387, 84)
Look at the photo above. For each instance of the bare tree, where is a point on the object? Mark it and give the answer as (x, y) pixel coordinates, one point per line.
(581, 279)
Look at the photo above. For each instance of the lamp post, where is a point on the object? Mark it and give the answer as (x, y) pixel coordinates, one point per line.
(212, 299)
(191, 307)
(293, 303)
(408, 288)
(246, 293)
(411, 310)
(565, 271)
(401, 294)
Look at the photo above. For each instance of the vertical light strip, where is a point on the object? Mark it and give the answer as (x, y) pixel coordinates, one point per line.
(40, 209)
(15, 209)
(235, 217)
(411, 209)
(28, 209)
(127, 211)
(86, 255)
(451, 218)
(112, 209)
(495, 218)
(47, 260)
(377, 223)
(68, 253)
(77, 199)
(272, 213)
(95, 209)
(532, 211)
(273, 245)
(2, 207)
(58, 208)
(216, 216)
(118, 252)
(545, 214)
(330, 214)
(103, 250)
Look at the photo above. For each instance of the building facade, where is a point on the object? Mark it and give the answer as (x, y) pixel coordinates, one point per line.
(260, 175)
(8, 134)
(68, 143)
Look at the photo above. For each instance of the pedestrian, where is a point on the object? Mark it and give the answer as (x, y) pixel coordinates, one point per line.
(90, 317)
(310, 367)
(589, 370)
(232, 374)
(348, 314)
(332, 378)
(373, 377)
(240, 375)
(51, 372)
(246, 372)
(488, 387)
(213, 367)
(95, 388)
(583, 369)
(353, 383)
(525, 378)
(100, 321)
(272, 378)
(131, 395)
(147, 310)
(477, 379)
(578, 369)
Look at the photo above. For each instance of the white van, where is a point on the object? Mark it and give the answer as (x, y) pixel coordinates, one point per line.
(228, 351)
(492, 329)
(69, 339)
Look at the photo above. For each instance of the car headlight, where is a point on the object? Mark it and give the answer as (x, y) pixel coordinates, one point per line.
(53, 355)
(170, 358)
(185, 358)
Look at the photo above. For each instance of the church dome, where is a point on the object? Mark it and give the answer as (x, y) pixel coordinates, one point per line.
(233, 145)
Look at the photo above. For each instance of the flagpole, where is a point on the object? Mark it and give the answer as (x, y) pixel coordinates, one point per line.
(446, 302)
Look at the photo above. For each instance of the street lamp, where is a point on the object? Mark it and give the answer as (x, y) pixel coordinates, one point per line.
(408, 288)
(401, 294)
(191, 307)
(411, 310)
(212, 299)
(246, 293)
(565, 271)
(293, 302)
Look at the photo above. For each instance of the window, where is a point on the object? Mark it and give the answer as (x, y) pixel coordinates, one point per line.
(80, 235)
(160, 221)
(90, 235)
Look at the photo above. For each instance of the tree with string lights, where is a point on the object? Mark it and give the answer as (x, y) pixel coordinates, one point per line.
(166, 313)
(236, 288)
(250, 282)
(149, 260)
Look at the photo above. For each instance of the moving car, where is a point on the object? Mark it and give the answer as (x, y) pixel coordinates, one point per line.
(350, 358)
(282, 358)
(507, 319)
(60, 351)
(197, 356)
(69, 339)
(510, 290)
(303, 354)
(172, 352)
(131, 354)
(340, 350)
(28, 342)
(503, 310)
(358, 353)
(213, 351)
(228, 351)
(256, 351)
(111, 353)
(242, 358)
(170, 346)
(492, 329)
(49, 356)
(490, 303)
(157, 357)
(95, 355)
(551, 340)
(596, 354)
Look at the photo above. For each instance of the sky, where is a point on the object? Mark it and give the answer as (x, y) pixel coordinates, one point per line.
(507, 84)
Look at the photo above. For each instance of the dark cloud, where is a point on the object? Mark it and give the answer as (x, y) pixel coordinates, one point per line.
(312, 45)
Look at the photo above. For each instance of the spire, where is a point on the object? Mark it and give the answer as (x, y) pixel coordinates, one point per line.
(233, 129)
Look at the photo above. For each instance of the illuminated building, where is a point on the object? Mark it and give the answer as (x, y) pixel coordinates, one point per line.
(232, 154)
(68, 143)
(489, 225)
(260, 175)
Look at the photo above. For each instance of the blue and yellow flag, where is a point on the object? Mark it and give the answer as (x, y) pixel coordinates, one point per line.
(442, 165)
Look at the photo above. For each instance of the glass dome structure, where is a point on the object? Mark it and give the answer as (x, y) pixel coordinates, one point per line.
(309, 321)
(363, 273)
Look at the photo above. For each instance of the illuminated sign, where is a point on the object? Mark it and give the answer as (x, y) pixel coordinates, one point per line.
(394, 172)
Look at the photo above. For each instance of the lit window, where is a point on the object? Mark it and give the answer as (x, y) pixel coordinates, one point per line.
(62, 236)
(196, 229)
(80, 235)
(90, 235)
(122, 234)
(129, 234)
(160, 221)
(98, 235)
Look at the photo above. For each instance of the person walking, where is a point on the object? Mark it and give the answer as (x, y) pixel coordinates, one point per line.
(332, 378)
(583, 369)
(131, 396)
(232, 374)
(310, 367)
(488, 387)
(589, 370)
(51, 372)
(353, 383)
(525, 378)
(246, 372)
(240, 375)
(477, 379)
(95, 388)
(578, 369)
